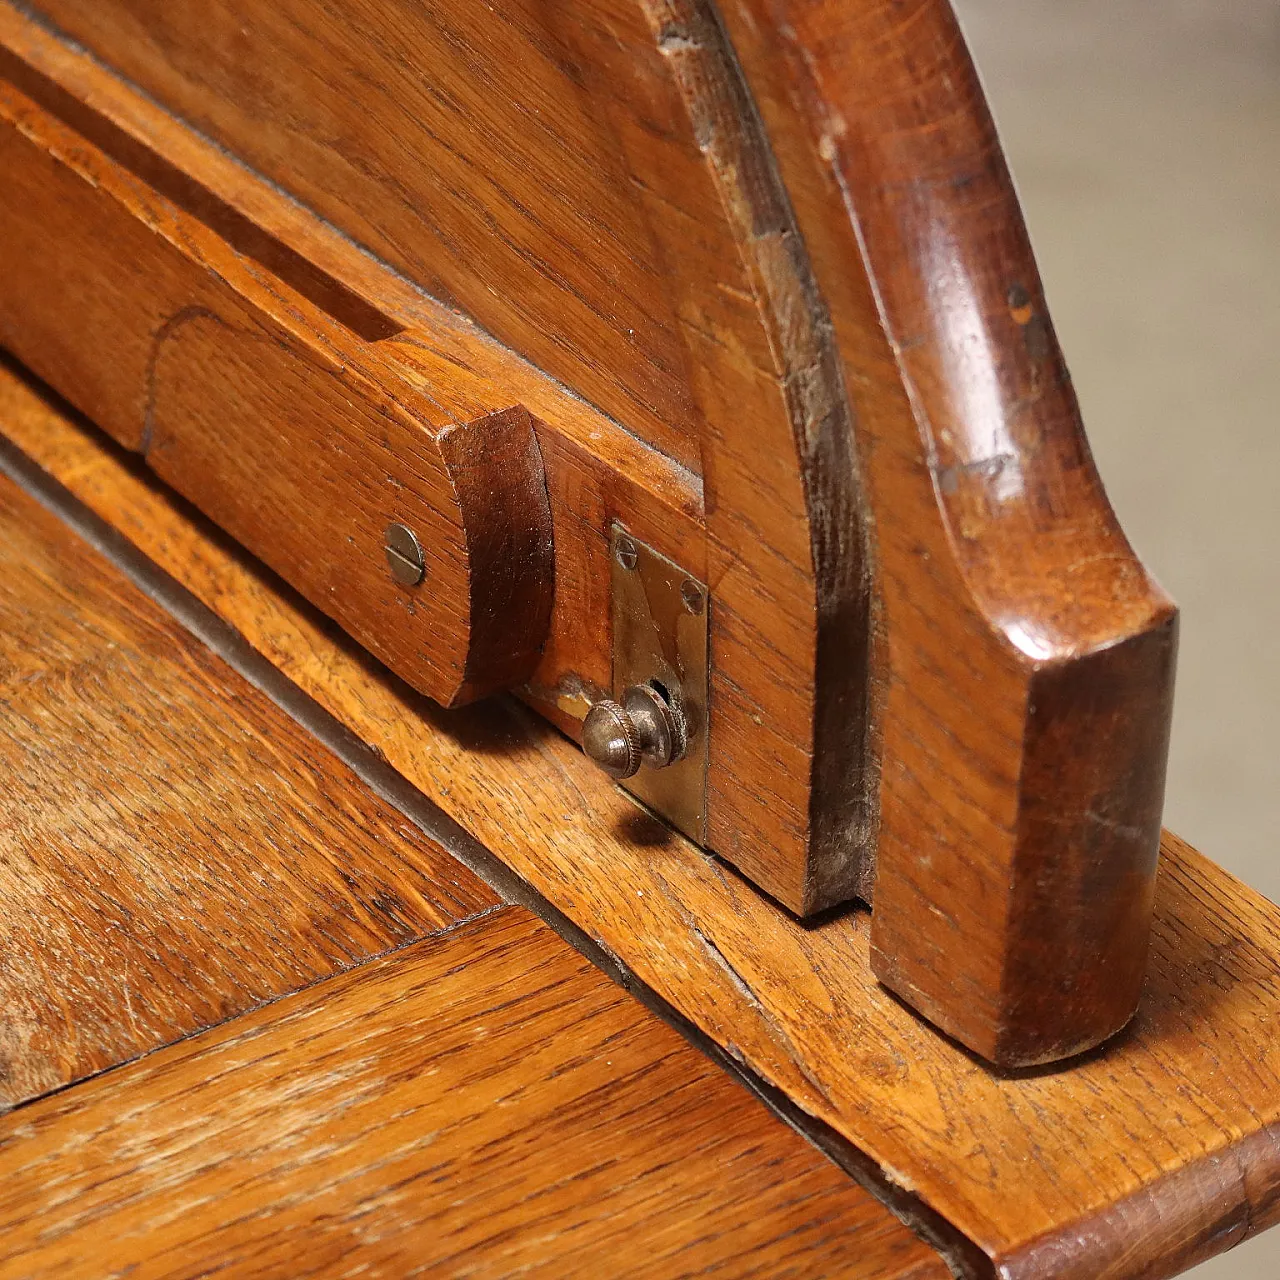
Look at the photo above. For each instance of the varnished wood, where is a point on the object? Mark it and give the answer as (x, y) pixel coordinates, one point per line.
(1136, 1161)
(1024, 687)
(763, 504)
(994, 740)
(794, 595)
(173, 850)
(268, 419)
(511, 119)
(483, 1104)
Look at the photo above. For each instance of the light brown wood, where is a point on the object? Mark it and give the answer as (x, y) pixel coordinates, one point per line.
(505, 111)
(1135, 1161)
(484, 1104)
(769, 513)
(173, 849)
(854, 265)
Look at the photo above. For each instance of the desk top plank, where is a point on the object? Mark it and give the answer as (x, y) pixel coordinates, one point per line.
(1159, 1150)
(483, 1103)
(174, 850)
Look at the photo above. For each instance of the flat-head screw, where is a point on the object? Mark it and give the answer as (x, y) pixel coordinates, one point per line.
(404, 555)
(625, 552)
(692, 596)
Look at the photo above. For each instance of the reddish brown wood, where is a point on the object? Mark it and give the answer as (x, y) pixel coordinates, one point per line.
(173, 849)
(253, 404)
(792, 593)
(779, 532)
(857, 259)
(1157, 1150)
(1025, 679)
(483, 1104)
(560, 265)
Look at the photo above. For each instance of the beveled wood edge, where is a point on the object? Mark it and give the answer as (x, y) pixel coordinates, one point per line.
(843, 760)
(1221, 1202)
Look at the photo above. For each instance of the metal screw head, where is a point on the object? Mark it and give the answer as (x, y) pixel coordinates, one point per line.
(644, 727)
(404, 555)
(692, 596)
(610, 739)
(626, 552)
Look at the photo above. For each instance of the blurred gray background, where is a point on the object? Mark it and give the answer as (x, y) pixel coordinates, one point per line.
(1145, 139)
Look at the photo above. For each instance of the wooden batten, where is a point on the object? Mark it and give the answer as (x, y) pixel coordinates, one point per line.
(262, 410)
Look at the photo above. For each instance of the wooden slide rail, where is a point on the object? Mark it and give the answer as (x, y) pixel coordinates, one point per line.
(754, 284)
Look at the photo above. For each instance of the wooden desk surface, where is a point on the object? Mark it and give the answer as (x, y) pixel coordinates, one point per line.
(1140, 1160)
(176, 849)
(176, 853)
(483, 1103)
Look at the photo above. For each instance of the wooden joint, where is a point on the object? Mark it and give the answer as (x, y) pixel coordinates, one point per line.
(756, 290)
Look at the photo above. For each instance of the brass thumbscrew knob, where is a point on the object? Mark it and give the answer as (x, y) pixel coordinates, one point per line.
(644, 728)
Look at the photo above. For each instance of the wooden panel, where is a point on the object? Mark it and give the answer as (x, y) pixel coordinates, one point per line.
(1025, 680)
(960, 738)
(772, 518)
(263, 419)
(1157, 1150)
(792, 752)
(483, 1104)
(173, 850)
(495, 178)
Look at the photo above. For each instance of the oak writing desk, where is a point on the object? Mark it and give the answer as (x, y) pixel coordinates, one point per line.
(686, 374)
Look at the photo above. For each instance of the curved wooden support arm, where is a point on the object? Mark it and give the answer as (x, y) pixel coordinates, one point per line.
(1025, 668)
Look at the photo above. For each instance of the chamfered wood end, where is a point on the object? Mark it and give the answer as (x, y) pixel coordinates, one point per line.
(496, 469)
(1031, 946)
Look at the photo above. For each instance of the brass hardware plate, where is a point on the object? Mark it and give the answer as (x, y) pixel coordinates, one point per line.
(660, 617)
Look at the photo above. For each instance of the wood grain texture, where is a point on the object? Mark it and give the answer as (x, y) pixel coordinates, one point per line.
(484, 1104)
(792, 752)
(259, 408)
(596, 471)
(1024, 687)
(864, 236)
(1134, 1161)
(173, 849)
(769, 514)
(495, 179)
